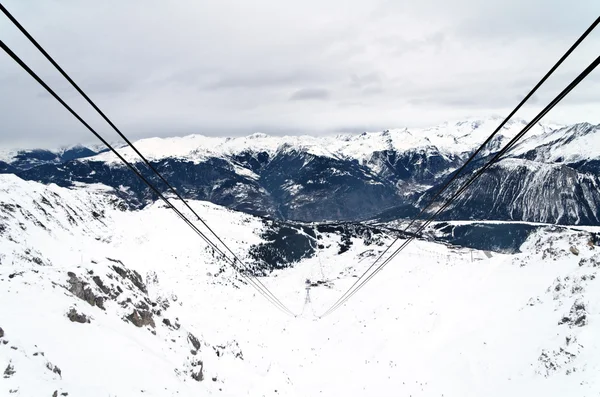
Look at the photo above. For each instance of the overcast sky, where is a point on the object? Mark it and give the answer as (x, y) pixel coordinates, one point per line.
(234, 67)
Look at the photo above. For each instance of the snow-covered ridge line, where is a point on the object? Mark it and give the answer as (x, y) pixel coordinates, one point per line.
(60, 154)
(450, 137)
(566, 145)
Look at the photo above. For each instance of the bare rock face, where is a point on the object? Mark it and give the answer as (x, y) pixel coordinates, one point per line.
(132, 275)
(140, 318)
(80, 289)
(98, 281)
(77, 317)
(1, 333)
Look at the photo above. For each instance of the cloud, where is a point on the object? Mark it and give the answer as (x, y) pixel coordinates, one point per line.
(306, 94)
(229, 67)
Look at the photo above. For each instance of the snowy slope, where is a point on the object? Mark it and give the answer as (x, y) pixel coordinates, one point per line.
(57, 259)
(435, 322)
(578, 142)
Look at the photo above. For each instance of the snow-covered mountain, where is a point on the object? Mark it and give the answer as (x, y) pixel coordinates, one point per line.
(568, 145)
(532, 191)
(100, 300)
(552, 177)
(23, 159)
(379, 175)
(449, 137)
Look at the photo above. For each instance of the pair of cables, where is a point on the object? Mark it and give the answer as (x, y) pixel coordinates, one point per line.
(373, 269)
(225, 253)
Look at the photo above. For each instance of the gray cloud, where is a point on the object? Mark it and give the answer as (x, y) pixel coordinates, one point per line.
(305, 94)
(231, 67)
(369, 79)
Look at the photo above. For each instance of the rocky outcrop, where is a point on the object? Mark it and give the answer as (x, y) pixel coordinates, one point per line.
(194, 342)
(551, 361)
(141, 318)
(54, 369)
(9, 371)
(577, 316)
(198, 370)
(81, 289)
(77, 317)
(131, 275)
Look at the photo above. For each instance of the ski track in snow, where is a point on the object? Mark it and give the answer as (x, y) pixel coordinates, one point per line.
(434, 323)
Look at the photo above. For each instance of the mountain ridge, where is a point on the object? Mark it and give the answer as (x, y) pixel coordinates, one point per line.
(348, 177)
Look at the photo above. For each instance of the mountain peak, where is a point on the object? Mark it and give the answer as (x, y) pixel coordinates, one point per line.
(257, 135)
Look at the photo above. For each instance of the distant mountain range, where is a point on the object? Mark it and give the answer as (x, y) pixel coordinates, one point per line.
(552, 176)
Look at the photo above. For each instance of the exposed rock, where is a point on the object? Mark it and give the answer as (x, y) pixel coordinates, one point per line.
(587, 277)
(551, 361)
(140, 318)
(574, 250)
(591, 244)
(1, 333)
(13, 275)
(170, 324)
(9, 371)
(194, 341)
(74, 316)
(131, 275)
(533, 301)
(232, 348)
(80, 289)
(198, 371)
(100, 284)
(577, 316)
(151, 278)
(163, 303)
(593, 262)
(54, 369)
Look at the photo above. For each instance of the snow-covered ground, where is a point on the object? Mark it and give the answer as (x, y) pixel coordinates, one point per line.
(433, 323)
